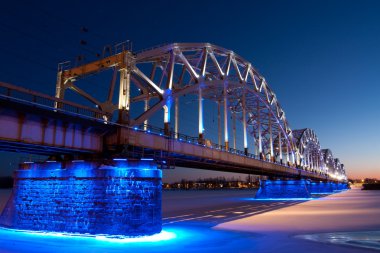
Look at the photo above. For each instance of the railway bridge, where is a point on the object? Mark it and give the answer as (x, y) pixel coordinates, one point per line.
(193, 105)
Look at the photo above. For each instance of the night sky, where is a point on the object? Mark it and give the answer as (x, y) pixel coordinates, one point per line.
(322, 58)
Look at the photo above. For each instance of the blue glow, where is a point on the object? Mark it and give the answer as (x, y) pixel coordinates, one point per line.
(321, 193)
(135, 128)
(162, 236)
(120, 159)
(283, 189)
(172, 239)
(280, 199)
(113, 204)
(146, 159)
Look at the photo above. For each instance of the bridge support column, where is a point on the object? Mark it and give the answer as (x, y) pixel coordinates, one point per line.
(120, 198)
(283, 189)
(321, 187)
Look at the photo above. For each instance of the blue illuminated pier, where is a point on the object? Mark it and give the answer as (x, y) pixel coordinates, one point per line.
(283, 189)
(86, 197)
(296, 189)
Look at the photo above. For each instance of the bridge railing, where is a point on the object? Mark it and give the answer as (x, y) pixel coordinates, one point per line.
(193, 140)
(19, 94)
(208, 144)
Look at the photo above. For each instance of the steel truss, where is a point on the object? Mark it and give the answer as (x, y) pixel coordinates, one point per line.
(165, 74)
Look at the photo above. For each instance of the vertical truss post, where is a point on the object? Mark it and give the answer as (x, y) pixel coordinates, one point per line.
(168, 93)
(287, 153)
(280, 145)
(146, 108)
(219, 126)
(259, 130)
(293, 158)
(200, 98)
(124, 94)
(270, 137)
(255, 148)
(59, 89)
(245, 126)
(225, 116)
(60, 86)
(234, 128)
(200, 115)
(167, 108)
(176, 115)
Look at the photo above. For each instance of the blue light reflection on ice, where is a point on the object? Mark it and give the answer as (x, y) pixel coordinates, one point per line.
(279, 199)
(175, 238)
(165, 235)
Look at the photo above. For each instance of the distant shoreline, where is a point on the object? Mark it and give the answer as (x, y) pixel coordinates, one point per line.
(371, 186)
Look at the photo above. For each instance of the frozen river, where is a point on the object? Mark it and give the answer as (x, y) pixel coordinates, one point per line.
(231, 221)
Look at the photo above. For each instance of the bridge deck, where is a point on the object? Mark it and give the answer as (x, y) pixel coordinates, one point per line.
(193, 155)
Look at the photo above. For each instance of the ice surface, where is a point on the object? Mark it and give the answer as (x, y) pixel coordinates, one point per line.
(365, 239)
(352, 210)
(274, 231)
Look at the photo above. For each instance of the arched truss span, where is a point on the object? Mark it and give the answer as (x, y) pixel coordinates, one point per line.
(309, 150)
(165, 74)
(333, 167)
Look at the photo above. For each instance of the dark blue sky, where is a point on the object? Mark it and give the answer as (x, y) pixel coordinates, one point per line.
(322, 58)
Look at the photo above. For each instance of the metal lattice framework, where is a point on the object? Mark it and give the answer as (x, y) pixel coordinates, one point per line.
(309, 149)
(328, 161)
(312, 157)
(163, 75)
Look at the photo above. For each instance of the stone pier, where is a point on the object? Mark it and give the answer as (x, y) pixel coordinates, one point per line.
(283, 189)
(117, 197)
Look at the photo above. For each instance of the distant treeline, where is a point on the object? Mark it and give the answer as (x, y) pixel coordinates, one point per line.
(371, 186)
(6, 182)
(214, 183)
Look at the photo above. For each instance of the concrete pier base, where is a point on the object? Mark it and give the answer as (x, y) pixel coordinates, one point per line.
(123, 198)
(321, 187)
(341, 187)
(283, 189)
(326, 187)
